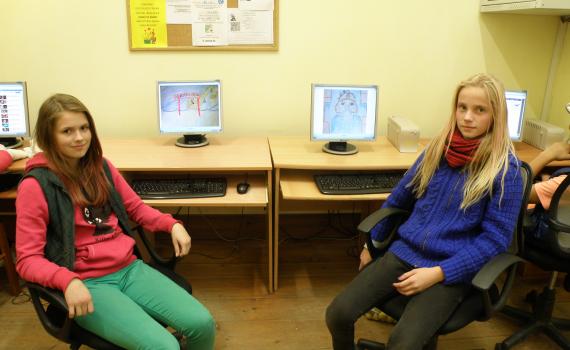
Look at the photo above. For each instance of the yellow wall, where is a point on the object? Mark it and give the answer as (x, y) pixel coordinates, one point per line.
(561, 88)
(415, 50)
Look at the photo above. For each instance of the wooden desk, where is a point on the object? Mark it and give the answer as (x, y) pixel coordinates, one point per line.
(297, 159)
(527, 153)
(230, 157)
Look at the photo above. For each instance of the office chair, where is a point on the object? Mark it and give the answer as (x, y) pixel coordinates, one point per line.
(54, 318)
(487, 295)
(550, 252)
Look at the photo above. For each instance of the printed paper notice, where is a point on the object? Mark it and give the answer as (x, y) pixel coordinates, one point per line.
(250, 27)
(179, 11)
(259, 5)
(210, 27)
(148, 23)
(209, 4)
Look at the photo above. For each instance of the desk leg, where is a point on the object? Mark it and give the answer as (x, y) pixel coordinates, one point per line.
(276, 230)
(13, 281)
(270, 241)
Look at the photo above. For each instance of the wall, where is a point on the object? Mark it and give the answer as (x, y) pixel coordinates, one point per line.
(415, 50)
(561, 87)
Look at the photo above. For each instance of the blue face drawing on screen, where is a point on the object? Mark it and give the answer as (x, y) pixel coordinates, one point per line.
(346, 119)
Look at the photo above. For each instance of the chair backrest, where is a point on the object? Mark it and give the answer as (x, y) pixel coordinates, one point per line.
(557, 232)
(516, 243)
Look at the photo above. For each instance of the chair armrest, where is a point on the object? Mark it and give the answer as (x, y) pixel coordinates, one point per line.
(487, 276)
(489, 273)
(169, 263)
(55, 298)
(373, 219)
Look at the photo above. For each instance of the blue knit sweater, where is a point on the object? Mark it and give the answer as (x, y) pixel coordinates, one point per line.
(439, 233)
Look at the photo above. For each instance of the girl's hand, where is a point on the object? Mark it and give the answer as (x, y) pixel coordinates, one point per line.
(365, 258)
(78, 299)
(418, 280)
(180, 240)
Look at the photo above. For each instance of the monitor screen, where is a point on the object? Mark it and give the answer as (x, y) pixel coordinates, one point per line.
(344, 112)
(516, 101)
(192, 107)
(14, 110)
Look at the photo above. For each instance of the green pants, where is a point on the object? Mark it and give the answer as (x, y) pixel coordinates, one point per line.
(128, 301)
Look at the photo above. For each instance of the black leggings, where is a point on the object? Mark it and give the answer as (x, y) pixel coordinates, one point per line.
(425, 312)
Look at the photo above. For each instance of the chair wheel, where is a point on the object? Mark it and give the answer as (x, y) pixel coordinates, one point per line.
(499, 346)
(531, 297)
(364, 344)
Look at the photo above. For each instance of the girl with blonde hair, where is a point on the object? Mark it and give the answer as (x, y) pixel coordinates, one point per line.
(464, 194)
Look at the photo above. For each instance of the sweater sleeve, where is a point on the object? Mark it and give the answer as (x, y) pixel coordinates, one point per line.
(5, 160)
(401, 197)
(150, 218)
(31, 229)
(545, 190)
(497, 228)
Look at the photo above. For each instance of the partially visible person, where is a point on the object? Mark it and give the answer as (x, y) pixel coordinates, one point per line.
(7, 156)
(543, 191)
(73, 234)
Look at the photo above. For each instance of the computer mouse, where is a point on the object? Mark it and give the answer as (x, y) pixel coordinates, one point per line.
(242, 187)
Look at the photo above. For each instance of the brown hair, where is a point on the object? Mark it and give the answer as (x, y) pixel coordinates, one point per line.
(87, 184)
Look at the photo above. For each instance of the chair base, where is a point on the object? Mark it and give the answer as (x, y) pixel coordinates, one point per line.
(539, 320)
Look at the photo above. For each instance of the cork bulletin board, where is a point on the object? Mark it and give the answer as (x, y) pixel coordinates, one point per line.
(149, 29)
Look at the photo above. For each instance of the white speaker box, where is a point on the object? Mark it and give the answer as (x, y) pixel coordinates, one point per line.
(541, 134)
(403, 134)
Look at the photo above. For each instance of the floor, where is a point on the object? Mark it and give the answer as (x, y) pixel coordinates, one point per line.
(226, 269)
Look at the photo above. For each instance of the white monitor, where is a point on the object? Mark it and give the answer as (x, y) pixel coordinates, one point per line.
(516, 102)
(13, 113)
(341, 113)
(192, 108)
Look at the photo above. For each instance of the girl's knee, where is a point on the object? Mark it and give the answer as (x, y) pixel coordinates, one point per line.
(200, 326)
(402, 339)
(163, 341)
(336, 315)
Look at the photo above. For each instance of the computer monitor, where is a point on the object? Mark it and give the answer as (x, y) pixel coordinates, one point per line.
(192, 108)
(13, 114)
(516, 102)
(341, 113)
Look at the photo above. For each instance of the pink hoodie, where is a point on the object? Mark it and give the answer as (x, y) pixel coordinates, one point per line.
(99, 249)
(5, 160)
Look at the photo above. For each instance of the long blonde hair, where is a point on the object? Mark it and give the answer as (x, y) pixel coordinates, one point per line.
(492, 155)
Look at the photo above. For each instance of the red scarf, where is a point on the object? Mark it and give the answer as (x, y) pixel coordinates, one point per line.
(460, 150)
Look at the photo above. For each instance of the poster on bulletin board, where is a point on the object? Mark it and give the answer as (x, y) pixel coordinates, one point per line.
(203, 25)
(148, 23)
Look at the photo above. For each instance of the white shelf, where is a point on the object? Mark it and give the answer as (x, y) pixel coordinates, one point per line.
(527, 7)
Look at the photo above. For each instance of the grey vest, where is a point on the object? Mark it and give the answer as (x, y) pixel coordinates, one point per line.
(60, 238)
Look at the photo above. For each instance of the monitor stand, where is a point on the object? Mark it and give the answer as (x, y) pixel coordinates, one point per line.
(340, 147)
(10, 142)
(190, 141)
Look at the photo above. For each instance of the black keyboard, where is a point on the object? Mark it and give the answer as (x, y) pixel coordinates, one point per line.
(180, 188)
(365, 183)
